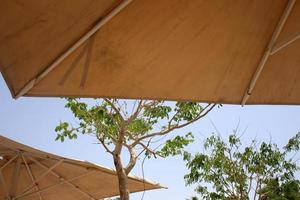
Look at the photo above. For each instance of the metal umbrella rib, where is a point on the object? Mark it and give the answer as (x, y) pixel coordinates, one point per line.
(27, 173)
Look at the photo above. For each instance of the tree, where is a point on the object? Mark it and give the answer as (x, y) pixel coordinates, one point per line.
(132, 126)
(229, 171)
(277, 190)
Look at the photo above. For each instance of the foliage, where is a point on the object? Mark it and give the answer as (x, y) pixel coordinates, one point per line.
(227, 170)
(132, 126)
(276, 190)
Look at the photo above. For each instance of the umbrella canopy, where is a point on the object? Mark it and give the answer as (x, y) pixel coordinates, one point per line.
(27, 173)
(230, 51)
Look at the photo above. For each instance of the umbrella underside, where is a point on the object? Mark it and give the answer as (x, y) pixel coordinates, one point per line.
(29, 174)
(211, 51)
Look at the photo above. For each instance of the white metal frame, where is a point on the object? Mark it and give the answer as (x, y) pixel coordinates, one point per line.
(31, 176)
(61, 180)
(285, 43)
(15, 177)
(31, 160)
(271, 49)
(22, 159)
(75, 46)
(28, 189)
(8, 162)
(66, 181)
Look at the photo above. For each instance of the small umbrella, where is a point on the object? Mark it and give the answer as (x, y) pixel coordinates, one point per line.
(239, 52)
(27, 173)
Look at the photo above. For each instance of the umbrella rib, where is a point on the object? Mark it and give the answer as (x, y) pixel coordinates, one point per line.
(4, 184)
(59, 183)
(31, 175)
(268, 50)
(87, 61)
(63, 180)
(2, 178)
(12, 159)
(42, 155)
(75, 46)
(80, 190)
(7, 152)
(42, 165)
(40, 178)
(285, 43)
(15, 176)
(9, 147)
(72, 66)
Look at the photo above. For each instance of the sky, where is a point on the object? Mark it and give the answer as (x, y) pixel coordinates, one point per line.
(32, 121)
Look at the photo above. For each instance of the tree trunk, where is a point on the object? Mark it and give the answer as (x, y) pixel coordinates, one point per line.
(122, 178)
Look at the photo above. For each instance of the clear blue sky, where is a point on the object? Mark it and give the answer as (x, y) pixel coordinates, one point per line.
(32, 121)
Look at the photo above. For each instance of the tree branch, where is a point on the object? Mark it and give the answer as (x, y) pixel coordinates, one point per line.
(104, 145)
(132, 162)
(250, 183)
(114, 108)
(120, 141)
(256, 188)
(136, 112)
(200, 115)
(221, 179)
(153, 152)
(114, 140)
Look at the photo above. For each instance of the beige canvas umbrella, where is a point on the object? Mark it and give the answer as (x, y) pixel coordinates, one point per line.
(30, 174)
(227, 51)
